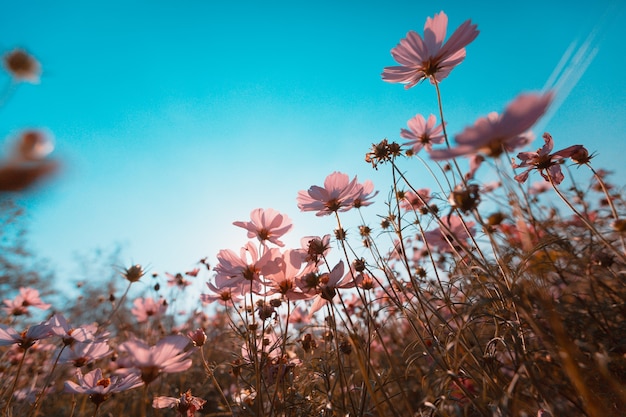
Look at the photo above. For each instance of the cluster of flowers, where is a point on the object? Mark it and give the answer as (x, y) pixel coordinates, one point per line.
(82, 346)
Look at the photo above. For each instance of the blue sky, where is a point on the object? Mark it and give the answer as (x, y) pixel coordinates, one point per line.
(174, 119)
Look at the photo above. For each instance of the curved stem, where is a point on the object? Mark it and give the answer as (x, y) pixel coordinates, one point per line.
(117, 307)
(38, 401)
(6, 410)
(609, 201)
(443, 125)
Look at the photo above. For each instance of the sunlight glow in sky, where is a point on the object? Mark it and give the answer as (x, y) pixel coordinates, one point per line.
(174, 119)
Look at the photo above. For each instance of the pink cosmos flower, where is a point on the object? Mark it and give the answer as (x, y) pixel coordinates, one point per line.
(422, 133)
(328, 285)
(167, 356)
(186, 404)
(365, 194)
(450, 236)
(543, 161)
(243, 271)
(267, 225)
(177, 280)
(71, 335)
(412, 201)
(99, 388)
(282, 273)
(148, 307)
(27, 338)
(338, 194)
(494, 134)
(224, 296)
(81, 354)
(429, 57)
(27, 297)
(316, 247)
(198, 337)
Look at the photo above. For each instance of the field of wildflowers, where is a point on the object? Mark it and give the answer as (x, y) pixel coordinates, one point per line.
(490, 295)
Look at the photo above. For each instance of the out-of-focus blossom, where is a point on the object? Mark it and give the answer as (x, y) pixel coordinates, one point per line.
(99, 388)
(224, 295)
(25, 163)
(413, 201)
(475, 161)
(80, 354)
(31, 145)
(147, 307)
(548, 164)
(267, 225)
(177, 280)
(282, 273)
(423, 133)
(27, 338)
(494, 134)
(451, 235)
(27, 297)
(429, 57)
(167, 356)
(538, 187)
(338, 194)
(193, 273)
(186, 404)
(244, 270)
(22, 66)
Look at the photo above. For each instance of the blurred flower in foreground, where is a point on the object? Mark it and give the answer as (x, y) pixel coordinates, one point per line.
(26, 164)
(27, 338)
(429, 57)
(99, 388)
(548, 164)
(422, 133)
(144, 308)
(186, 405)
(167, 356)
(494, 134)
(22, 66)
(267, 225)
